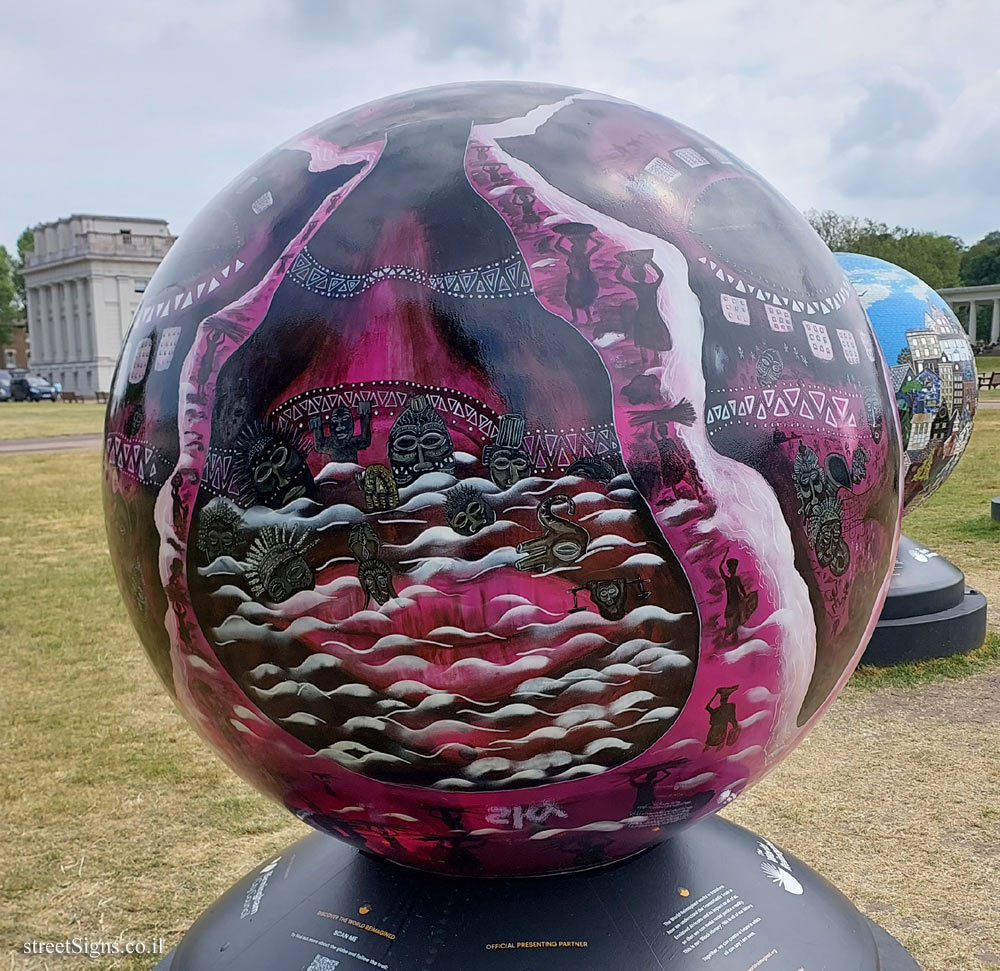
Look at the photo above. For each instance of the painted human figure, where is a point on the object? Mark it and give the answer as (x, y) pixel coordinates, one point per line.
(645, 782)
(524, 197)
(339, 440)
(206, 366)
(676, 464)
(740, 605)
(493, 170)
(648, 329)
(723, 728)
(581, 285)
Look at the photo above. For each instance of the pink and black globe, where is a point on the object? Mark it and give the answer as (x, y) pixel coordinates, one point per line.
(498, 475)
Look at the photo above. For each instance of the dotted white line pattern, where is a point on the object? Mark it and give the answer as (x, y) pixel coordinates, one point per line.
(492, 281)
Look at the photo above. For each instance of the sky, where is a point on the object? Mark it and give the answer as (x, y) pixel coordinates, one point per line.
(880, 108)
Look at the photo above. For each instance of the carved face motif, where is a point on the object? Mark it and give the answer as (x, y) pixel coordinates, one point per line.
(873, 414)
(376, 578)
(220, 541)
(508, 465)
(472, 517)
(419, 442)
(769, 367)
(279, 476)
(609, 596)
(289, 578)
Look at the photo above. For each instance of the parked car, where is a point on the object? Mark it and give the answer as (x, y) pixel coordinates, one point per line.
(30, 387)
(4, 385)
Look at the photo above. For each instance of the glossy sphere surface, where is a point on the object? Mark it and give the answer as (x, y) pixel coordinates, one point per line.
(932, 366)
(497, 475)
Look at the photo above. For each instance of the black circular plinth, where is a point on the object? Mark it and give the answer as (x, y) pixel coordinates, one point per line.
(995, 509)
(928, 612)
(715, 897)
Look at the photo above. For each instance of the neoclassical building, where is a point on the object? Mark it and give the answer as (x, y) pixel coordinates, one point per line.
(84, 280)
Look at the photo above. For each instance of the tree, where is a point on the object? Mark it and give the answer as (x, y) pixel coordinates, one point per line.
(981, 262)
(933, 257)
(25, 244)
(10, 304)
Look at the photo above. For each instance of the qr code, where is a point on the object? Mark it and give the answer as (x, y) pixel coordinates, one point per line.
(323, 963)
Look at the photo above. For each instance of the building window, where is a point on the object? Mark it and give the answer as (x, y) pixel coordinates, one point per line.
(126, 235)
(11, 358)
(140, 286)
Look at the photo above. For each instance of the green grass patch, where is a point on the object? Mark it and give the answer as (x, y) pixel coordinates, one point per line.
(954, 668)
(48, 419)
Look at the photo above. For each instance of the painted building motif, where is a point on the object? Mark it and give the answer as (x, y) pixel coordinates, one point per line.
(499, 493)
(932, 365)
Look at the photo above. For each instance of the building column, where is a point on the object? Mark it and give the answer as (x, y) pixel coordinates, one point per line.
(35, 334)
(66, 323)
(81, 308)
(995, 325)
(80, 322)
(972, 321)
(48, 323)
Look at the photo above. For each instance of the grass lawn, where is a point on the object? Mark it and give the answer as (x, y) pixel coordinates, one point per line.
(118, 823)
(47, 419)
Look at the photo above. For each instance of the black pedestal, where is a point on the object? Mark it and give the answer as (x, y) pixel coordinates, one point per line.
(929, 611)
(717, 897)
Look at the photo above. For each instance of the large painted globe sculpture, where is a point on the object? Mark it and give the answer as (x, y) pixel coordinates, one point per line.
(932, 367)
(502, 477)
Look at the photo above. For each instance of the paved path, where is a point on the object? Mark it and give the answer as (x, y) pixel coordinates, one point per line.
(54, 444)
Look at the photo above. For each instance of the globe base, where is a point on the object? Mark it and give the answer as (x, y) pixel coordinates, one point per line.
(928, 612)
(717, 896)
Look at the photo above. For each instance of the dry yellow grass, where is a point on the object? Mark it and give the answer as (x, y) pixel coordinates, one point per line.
(117, 823)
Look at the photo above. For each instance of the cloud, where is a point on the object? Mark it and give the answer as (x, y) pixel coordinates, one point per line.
(887, 110)
(436, 29)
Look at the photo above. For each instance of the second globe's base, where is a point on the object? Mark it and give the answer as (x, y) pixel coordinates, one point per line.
(928, 612)
(717, 897)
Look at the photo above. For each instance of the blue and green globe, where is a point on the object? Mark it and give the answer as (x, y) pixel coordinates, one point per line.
(932, 367)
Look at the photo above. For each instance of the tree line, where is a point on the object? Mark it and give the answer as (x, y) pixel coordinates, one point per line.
(940, 261)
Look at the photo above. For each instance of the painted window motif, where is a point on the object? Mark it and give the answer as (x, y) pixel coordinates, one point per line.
(692, 158)
(165, 350)
(140, 363)
(662, 170)
(721, 157)
(849, 345)
(779, 318)
(735, 309)
(819, 340)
